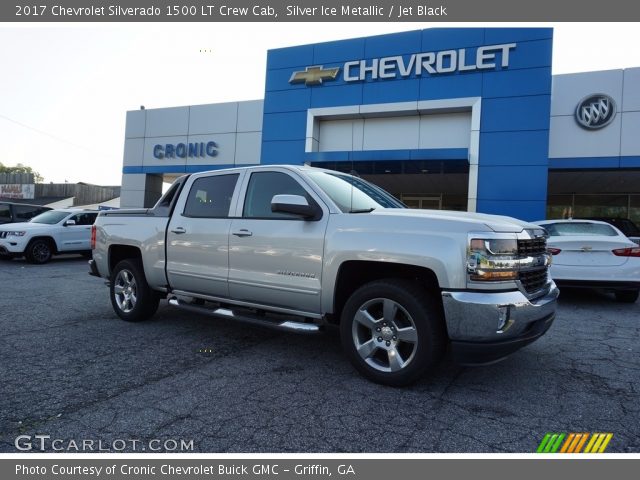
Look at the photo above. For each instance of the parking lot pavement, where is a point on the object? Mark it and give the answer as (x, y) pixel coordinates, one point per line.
(72, 370)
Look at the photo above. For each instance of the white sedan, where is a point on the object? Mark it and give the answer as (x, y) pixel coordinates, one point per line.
(593, 254)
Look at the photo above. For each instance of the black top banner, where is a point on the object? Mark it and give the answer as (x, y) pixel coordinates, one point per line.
(319, 11)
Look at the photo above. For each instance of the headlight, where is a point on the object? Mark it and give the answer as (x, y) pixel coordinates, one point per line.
(16, 234)
(492, 259)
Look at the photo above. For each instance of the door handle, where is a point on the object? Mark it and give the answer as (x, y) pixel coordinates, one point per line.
(179, 230)
(242, 233)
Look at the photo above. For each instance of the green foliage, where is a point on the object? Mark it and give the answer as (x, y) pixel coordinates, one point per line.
(20, 168)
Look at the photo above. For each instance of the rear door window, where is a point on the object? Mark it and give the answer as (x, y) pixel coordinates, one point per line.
(210, 197)
(86, 218)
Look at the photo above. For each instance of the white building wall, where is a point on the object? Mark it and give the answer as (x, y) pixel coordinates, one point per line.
(236, 127)
(621, 137)
(630, 138)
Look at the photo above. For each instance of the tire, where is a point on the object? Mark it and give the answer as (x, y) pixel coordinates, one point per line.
(131, 297)
(39, 251)
(627, 296)
(392, 331)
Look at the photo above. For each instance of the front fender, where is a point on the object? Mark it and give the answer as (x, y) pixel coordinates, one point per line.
(349, 238)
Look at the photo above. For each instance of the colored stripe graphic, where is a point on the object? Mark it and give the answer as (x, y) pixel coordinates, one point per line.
(571, 440)
(597, 442)
(581, 443)
(550, 443)
(543, 443)
(592, 441)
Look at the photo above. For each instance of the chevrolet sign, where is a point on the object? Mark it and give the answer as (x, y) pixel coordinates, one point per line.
(314, 75)
(418, 64)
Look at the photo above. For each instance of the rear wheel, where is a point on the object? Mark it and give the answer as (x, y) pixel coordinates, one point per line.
(39, 252)
(131, 297)
(392, 331)
(627, 296)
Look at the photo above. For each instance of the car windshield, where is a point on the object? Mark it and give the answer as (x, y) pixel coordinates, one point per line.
(49, 218)
(579, 228)
(352, 194)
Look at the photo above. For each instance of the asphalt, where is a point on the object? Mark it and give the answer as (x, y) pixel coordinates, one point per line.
(71, 370)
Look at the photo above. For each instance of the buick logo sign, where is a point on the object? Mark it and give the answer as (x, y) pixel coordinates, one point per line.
(595, 111)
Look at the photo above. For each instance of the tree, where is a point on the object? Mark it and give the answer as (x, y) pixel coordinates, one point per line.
(20, 168)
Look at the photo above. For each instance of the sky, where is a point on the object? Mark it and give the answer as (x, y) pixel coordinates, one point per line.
(65, 88)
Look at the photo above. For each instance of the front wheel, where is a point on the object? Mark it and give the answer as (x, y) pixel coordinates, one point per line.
(392, 331)
(627, 296)
(131, 297)
(39, 252)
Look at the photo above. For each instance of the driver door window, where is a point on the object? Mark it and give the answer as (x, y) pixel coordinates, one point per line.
(263, 186)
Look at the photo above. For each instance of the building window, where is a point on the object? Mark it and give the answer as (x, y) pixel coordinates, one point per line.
(600, 205)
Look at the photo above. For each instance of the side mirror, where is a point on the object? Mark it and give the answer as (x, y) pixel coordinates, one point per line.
(69, 223)
(294, 204)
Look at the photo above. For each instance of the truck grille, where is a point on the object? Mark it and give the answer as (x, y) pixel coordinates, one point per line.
(531, 248)
(533, 280)
(3, 234)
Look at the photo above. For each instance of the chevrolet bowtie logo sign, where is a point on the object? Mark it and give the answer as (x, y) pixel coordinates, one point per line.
(489, 57)
(314, 75)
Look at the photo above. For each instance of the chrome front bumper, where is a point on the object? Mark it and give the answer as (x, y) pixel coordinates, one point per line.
(494, 324)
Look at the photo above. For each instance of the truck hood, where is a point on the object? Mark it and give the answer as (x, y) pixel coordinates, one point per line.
(497, 223)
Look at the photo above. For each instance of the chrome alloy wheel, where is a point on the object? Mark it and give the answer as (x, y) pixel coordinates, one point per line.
(384, 335)
(125, 291)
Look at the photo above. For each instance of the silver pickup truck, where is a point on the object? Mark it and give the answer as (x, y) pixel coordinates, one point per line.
(300, 249)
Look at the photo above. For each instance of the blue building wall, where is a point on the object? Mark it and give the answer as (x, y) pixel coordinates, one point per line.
(514, 128)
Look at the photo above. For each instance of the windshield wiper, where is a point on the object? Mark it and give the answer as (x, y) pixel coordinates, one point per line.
(362, 210)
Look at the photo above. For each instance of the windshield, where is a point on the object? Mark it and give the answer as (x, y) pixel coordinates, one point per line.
(49, 218)
(575, 228)
(352, 194)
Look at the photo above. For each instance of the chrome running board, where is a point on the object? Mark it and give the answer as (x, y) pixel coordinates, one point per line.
(287, 326)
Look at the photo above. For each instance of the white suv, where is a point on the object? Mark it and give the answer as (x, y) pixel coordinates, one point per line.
(50, 233)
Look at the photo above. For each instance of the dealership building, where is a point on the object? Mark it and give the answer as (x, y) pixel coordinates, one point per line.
(454, 118)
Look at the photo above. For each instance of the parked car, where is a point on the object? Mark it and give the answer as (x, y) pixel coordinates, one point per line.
(625, 225)
(51, 233)
(11, 212)
(299, 249)
(590, 253)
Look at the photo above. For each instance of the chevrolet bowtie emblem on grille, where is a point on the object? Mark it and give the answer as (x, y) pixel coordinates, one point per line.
(314, 75)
